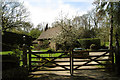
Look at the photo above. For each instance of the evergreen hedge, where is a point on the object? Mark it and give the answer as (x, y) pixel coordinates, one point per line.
(86, 43)
(12, 40)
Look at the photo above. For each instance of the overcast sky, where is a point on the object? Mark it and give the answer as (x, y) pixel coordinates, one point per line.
(49, 10)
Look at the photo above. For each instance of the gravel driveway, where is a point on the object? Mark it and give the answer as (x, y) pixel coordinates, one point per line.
(78, 75)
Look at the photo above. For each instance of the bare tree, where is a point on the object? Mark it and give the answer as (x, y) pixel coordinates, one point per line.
(14, 14)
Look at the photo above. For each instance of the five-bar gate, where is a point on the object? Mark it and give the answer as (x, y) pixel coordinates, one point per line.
(69, 61)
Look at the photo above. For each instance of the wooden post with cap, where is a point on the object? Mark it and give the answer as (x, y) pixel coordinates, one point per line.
(24, 53)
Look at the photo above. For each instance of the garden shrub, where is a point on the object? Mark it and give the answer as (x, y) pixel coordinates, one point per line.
(12, 40)
(93, 47)
(19, 73)
(85, 43)
(9, 62)
(104, 47)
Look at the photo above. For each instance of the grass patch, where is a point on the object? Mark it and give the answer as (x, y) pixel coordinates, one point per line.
(6, 52)
(44, 50)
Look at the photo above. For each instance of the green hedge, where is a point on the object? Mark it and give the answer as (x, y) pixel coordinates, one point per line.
(19, 73)
(12, 40)
(85, 43)
(9, 62)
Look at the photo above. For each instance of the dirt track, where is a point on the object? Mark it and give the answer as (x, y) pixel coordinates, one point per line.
(78, 75)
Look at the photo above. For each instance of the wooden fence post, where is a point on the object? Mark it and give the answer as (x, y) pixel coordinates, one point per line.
(24, 56)
(112, 57)
(71, 63)
(30, 59)
(24, 53)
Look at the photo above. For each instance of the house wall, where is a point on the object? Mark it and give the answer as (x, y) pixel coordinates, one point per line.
(40, 42)
(52, 45)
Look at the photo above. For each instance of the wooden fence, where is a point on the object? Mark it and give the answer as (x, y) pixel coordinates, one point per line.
(69, 61)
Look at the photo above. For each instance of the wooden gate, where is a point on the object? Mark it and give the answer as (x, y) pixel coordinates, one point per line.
(69, 61)
(96, 60)
(48, 61)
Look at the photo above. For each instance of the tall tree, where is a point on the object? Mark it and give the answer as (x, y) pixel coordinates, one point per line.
(14, 14)
(35, 33)
(112, 10)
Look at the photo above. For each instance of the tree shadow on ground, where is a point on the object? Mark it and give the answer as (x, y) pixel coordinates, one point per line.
(51, 76)
(78, 75)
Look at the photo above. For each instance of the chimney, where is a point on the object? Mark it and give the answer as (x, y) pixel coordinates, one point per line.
(46, 27)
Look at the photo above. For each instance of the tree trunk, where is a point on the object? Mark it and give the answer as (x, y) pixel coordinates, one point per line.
(111, 37)
(111, 30)
(117, 55)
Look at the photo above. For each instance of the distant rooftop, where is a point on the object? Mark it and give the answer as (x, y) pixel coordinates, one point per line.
(49, 33)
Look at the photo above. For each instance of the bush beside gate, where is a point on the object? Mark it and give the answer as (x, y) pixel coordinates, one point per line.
(86, 43)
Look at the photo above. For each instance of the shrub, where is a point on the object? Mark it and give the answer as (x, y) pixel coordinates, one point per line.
(12, 40)
(85, 43)
(104, 47)
(19, 73)
(93, 47)
(9, 62)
